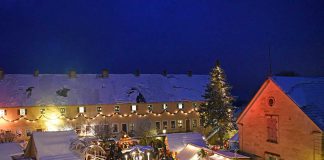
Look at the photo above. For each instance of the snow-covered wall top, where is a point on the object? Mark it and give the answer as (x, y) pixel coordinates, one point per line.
(307, 93)
(59, 89)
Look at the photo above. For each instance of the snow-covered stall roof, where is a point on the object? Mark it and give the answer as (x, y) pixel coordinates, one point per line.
(59, 89)
(190, 152)
(307, 93)
(225, 155)
(178, 141)
(52, 145)
(9, 149)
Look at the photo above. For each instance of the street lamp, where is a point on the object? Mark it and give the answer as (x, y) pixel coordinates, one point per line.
(148, 155)
(164, 146)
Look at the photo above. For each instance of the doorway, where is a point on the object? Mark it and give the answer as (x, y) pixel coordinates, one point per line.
(187, 125)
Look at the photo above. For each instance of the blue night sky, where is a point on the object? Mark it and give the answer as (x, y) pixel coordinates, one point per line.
(152, 35)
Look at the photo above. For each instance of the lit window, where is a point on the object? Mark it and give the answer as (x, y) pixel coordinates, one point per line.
(99, 109)
(272, 128)
(2, 112)
(115, 128)
(62, 110)
(165, 106)
(158, 125)
(131, 126)
(150, 108)
(42, 110)
(180, 123)
(194, 123)
(165, 124)
(117, 108)
(134, 107)
(180, 105)
(81, 109)
(173, 124)
(22, 111)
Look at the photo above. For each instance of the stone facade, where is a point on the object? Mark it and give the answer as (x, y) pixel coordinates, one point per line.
(296, 136)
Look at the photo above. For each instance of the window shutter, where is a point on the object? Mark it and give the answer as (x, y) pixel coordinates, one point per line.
(18, 112)
(78, 110)
(5, 112)
(85, 109)
(25, 111)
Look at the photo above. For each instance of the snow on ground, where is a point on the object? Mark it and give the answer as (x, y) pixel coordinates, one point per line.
(9, 149)
(59, 89)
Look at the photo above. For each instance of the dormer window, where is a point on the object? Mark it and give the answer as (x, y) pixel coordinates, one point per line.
(22, 111)
(99, 109)
(117, 108)
(81, 109)
(42, 111)
(180, 105)
(150, 108)
(134, 108)
(2, 112)
(62, 110)
(165, 106)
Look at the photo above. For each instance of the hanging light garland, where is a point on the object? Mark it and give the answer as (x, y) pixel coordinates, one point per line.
(62, 116)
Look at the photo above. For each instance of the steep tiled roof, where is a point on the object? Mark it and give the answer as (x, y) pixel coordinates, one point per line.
(307, 93)
(59, 89)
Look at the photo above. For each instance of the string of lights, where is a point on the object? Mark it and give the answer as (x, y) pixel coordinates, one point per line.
(62, 116)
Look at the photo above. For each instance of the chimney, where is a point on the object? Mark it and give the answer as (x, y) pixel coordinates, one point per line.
(72, 74)
(190, 73)
(36, 73)
(165, 73)
(105, 73)
(2, 73)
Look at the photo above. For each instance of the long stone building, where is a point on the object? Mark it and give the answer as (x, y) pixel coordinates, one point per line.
(125, 103)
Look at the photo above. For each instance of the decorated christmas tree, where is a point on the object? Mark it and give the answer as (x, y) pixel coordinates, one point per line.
(217, 111)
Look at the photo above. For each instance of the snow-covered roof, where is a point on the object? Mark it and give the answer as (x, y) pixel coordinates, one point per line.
(59, 89)
(178, 141)
(307, 93)
(9, 149)
(54, 145)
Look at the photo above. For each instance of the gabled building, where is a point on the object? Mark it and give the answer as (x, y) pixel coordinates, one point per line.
(284, 120)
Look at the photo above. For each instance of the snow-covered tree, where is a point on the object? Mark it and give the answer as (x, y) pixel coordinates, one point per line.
(217, 110)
